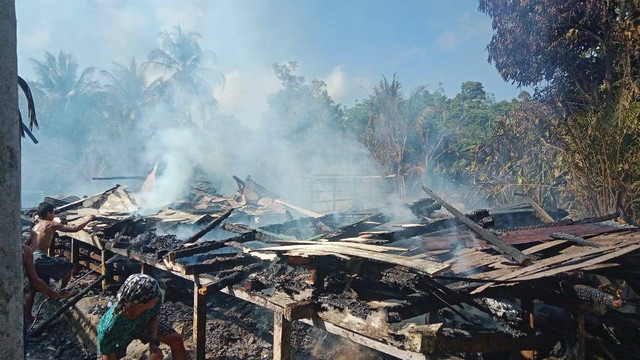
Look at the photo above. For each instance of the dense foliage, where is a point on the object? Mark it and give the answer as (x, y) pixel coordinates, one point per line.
(583, 59)
(573, 143)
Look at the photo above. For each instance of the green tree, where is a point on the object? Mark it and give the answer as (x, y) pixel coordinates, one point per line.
(64, 93)
(575, 50)
(582, 58)
(300, 110)
(182, 64)
(387, 127)
(126, 92)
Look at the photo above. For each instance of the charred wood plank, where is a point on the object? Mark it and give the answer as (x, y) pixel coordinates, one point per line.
(597, 219)
(352, 230)
(217, 264)
(47, 322)
(240, 184)
(209, 246)
(587, 293)
(505, 248)
(542, 214)
(210, 226)
(574, 239)
(423, 207)
(79, 203)
(260, 190)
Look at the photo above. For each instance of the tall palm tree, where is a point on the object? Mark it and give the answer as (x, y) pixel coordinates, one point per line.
(59, 82)
(181, 61)
(126, 91)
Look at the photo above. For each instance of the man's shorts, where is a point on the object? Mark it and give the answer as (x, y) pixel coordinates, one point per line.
(164, 328)
(49, 267)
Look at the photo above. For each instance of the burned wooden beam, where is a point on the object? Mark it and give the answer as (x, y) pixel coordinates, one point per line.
(47, 322)
(542, 214)
(505, 248)
(209, 246)
(587, 293)
(423, 207)
(260, 190)
(79, 203)
(352, 230)
(118, 178)
(597, 219)
(240, 184)
(574, 239)
(217, 264)
(210, 226)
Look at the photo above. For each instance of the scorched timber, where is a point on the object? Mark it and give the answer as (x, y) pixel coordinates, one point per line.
(502, 246)
(422, 265)
(574, 239)
(209, 227)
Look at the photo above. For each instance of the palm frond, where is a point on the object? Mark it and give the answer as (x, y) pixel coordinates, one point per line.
(31, 107)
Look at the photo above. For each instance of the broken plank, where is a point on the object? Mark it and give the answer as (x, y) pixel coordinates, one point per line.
(586, 263)
(355, 228)
(215, 264)
(209, 246)
(208, 227)
(553, 265)
(422, 265)
(79, 203)
(542, 214)
(368, 247)
(574, 239)
(502, 246)
(299, 209)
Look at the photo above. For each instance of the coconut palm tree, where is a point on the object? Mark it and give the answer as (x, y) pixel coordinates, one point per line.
(63, 92)
(180, 60)
(125, 92)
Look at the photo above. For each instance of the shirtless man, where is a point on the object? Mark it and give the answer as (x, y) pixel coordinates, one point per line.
(57, 268)
(32, 281)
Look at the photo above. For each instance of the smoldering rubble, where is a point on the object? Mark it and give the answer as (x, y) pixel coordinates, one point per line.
(490, 281)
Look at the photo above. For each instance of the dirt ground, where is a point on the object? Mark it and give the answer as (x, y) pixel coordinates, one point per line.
(235, 330)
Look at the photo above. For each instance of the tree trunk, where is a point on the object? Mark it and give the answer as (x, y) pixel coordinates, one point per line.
(10, 245)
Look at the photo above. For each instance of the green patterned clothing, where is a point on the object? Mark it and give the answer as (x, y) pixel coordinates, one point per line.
(116, 331)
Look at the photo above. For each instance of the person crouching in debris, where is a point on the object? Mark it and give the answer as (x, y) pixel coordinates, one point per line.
(135, 316)
(40, 238)
(31, 281)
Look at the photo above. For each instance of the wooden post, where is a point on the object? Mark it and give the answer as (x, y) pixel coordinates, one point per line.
(199, 320)
(575, 335)
(528, 318)
(281, 337)
(104, 269)
(75, 252)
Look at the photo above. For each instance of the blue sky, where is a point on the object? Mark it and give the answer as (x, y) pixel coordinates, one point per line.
(348, 44)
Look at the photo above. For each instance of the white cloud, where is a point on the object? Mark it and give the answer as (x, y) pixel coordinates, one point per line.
(244, 94)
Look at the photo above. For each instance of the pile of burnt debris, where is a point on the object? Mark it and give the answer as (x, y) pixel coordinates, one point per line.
(514, 279)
